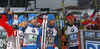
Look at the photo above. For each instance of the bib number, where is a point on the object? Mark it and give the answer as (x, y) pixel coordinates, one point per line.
(32, 37)
(50, 39)
(73, 37)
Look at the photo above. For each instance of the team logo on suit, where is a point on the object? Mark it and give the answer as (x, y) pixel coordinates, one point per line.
(33, 30)
(72, 30)
(49, 32)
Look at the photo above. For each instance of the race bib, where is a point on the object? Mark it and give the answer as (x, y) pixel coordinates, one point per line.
(50, 39)
(30, 39)
(73, 37)
(33, 37)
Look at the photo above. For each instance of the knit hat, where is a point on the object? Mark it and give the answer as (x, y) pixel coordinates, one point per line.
(50, 17)
(69, 17)
(31, 17)
(21, 18)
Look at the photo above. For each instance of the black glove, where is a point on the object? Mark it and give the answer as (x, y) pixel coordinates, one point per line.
(6, 10)
(15, 27)
(95, 11)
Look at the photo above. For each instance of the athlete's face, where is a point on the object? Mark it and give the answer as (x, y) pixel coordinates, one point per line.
(52, 22)
(71, 21)
(24, 23)
(85, 15)
(33, 22)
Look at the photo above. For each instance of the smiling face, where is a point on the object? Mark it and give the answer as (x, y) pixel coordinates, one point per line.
(52, 22)
(33, 22)
(23, 24)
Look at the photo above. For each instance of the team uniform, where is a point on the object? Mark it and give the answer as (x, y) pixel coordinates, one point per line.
(31, 35)
(21, 30)
(30, 38)
(51, 35)
(72, 39)
(72, 32)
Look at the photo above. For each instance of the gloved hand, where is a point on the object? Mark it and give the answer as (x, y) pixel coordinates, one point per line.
(15, 27)
(6, 10)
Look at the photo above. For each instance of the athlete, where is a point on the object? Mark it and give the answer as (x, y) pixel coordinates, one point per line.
(31, 34)
(51, 33)
(72, 40)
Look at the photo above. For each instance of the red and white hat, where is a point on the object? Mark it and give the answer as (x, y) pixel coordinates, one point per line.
(69, 17)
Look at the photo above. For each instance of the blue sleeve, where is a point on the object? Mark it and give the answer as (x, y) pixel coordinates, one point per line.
(56, 40)
(38, 40)
(10, 20)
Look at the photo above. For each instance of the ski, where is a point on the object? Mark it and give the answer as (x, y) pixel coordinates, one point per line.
(44, 26)
(45, 42)
(16, 34)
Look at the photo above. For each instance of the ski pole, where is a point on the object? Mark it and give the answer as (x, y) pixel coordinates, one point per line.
(97, 12)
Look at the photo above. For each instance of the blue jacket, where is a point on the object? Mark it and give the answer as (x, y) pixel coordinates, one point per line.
(10, 20)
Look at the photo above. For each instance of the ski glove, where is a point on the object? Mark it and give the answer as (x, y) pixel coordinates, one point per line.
(6, 10)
